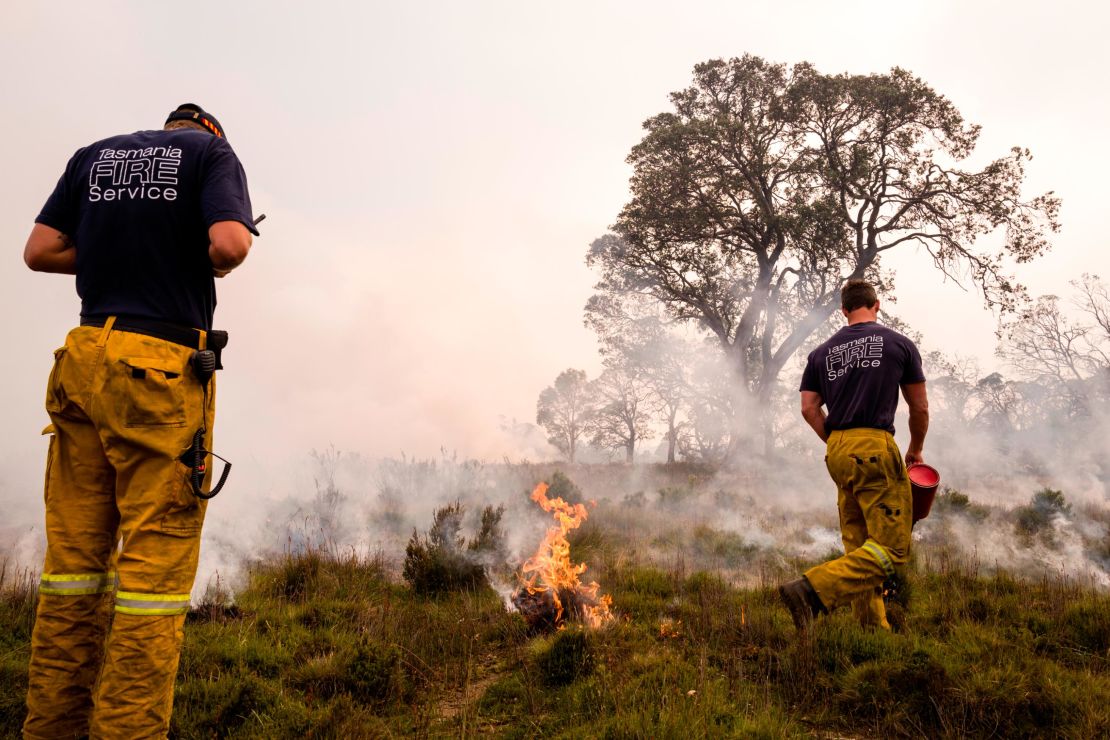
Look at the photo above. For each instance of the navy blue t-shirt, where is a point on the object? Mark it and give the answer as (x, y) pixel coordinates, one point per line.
(138, 207)
(858, 373)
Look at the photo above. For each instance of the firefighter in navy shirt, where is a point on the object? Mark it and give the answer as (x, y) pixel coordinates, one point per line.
(145, 221)
(857, 375)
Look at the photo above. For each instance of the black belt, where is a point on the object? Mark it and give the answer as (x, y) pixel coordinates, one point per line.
(183, 335)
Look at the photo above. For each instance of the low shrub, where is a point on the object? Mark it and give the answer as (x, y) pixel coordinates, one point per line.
(902, 694)
(950, 502)
(561, 486)
(442, 561)
(13, 690)
(701, 583)
(565, 657)
(292, 578)
(1086, 626)
(1036, 518)
(674, 496)
(374, 673)
(503, 698)
(728, 547)
(590, 542)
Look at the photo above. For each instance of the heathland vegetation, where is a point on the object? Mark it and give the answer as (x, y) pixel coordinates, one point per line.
(327, 642)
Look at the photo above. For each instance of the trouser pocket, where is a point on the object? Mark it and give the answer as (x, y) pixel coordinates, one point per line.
(898, 463)
(56, 396)
(50, 453)
(153, 391)
(185, 512)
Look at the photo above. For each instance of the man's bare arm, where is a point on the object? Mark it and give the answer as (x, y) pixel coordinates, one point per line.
(49, 250)
(918, 401)
(814, 414)
(229, 243)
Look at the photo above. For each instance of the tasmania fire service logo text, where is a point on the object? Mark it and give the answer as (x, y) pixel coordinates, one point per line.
(862, 352)
(135, 174)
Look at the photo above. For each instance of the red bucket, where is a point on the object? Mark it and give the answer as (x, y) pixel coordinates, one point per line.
(924, 480)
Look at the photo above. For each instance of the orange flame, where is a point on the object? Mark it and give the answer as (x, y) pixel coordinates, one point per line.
(670, 628)
(551, 570)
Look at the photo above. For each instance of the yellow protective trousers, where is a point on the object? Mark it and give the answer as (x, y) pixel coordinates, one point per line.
(123, 535)
(876, 512)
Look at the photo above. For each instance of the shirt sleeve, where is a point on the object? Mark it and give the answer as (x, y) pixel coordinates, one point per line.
(912, 372)
(224, 195)
(60, 211)
(810, 380)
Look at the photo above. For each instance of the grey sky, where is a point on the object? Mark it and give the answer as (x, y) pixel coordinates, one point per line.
(433, 173)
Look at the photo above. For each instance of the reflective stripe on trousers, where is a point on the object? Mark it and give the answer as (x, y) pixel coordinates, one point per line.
(128, 602)
(880, 554)
(77, 584)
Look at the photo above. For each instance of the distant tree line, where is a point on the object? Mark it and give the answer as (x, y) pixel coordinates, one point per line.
(1056, 369)
(660, 383)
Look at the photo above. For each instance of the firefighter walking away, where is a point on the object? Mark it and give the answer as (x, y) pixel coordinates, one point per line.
(857, 375)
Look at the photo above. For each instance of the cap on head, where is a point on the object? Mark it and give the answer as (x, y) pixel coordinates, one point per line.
(196, 114)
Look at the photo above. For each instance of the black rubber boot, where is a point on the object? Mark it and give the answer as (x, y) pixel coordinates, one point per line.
(802, 602)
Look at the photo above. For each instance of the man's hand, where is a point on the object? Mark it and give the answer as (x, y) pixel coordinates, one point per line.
(913, 457)
(814, 414)
(49, 250)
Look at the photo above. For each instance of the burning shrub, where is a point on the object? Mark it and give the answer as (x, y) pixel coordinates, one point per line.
(443, 561)
(1036, 518)
(550, 591)
(565, 657)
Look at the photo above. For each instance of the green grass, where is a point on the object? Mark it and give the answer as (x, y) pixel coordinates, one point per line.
(324, 645)
(17, 616)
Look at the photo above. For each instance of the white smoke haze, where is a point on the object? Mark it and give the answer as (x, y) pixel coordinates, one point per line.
(1072, 552)
(751, 525)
